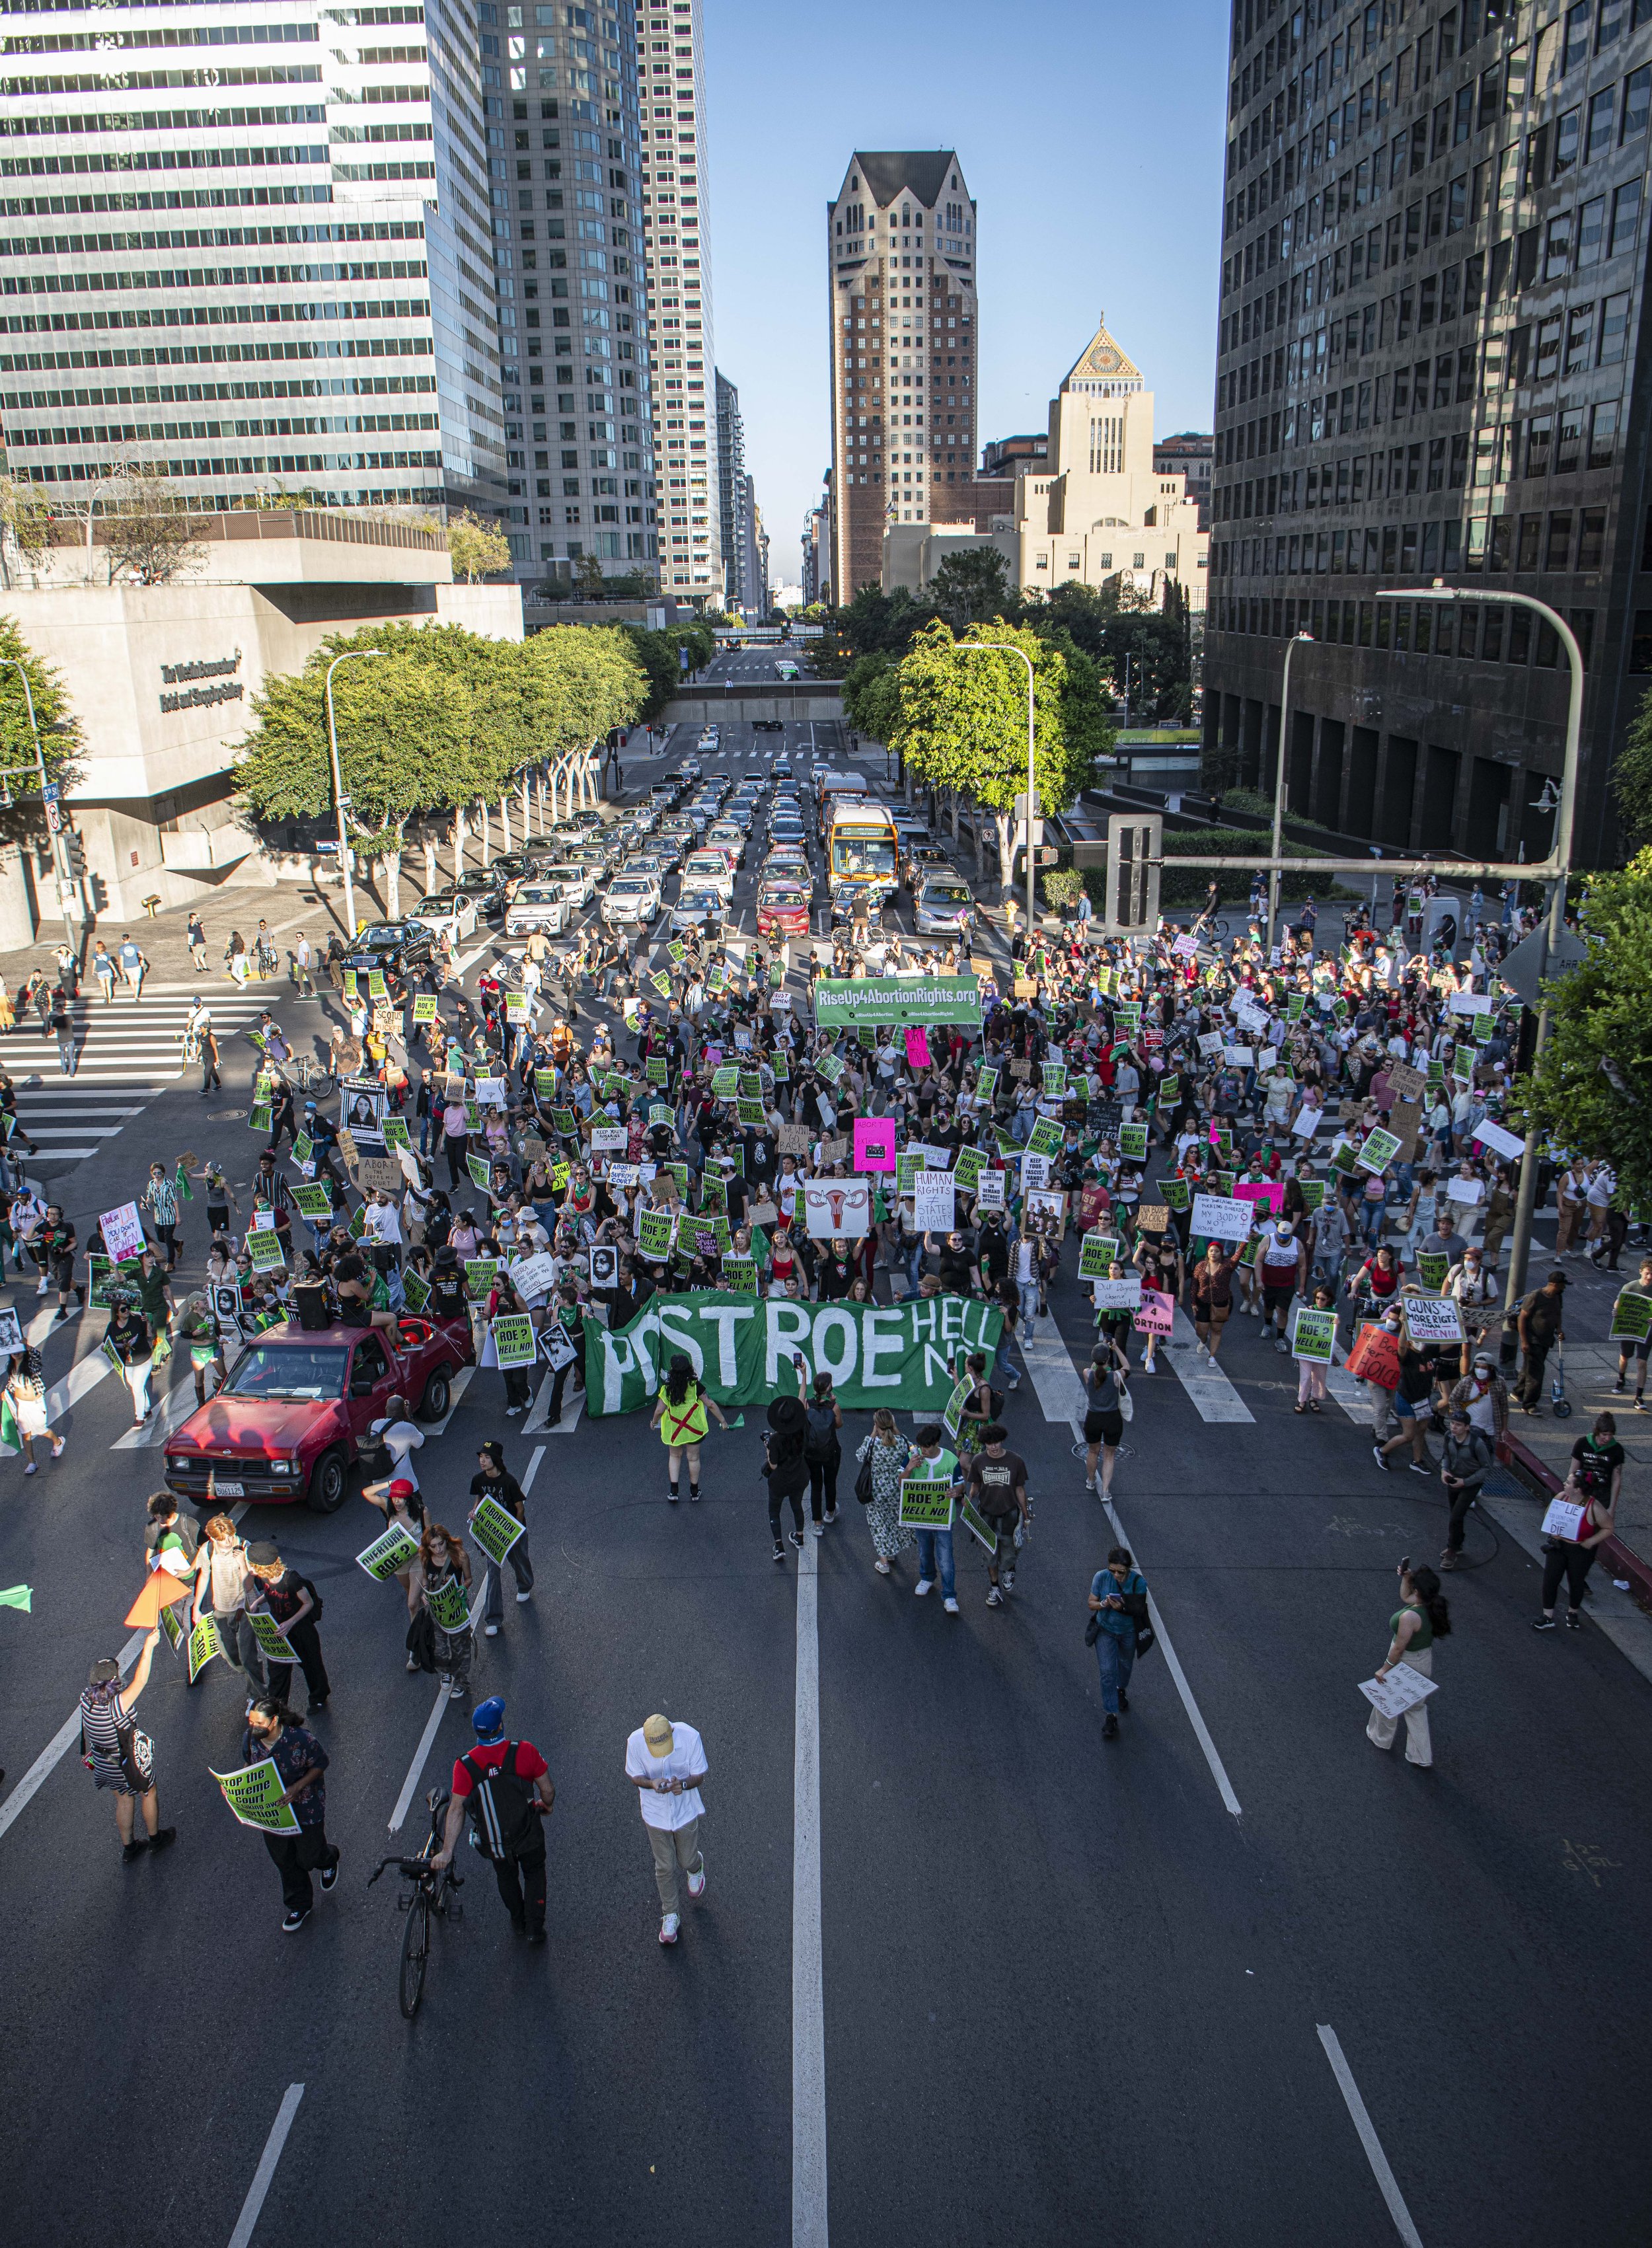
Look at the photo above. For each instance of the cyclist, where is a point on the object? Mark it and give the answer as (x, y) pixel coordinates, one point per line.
(512, 1794)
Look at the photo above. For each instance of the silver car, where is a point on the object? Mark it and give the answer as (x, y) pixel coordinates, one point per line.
(633, 898)
(698, 906)
(943, 907)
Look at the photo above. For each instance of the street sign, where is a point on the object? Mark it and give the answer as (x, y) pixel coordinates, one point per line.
(1534, 958)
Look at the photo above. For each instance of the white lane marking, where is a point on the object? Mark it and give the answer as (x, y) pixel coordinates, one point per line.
(84, 1375)
(808, 2006)
(1354, 1397)
(420, 1755)
(1369, 2139)
(174, 1410)
(263, 2176)
(1214, 1395)
(461, 1382)
(533, 1469)
(1061, 1393)
(41, 1770)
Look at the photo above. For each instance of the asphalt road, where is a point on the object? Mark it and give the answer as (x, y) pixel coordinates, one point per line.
(1066, 1992)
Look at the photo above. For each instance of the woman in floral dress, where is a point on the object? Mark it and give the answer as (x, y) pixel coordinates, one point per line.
(889, 1454)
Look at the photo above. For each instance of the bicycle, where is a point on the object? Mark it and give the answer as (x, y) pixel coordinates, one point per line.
(313, 1078)
(430, 1894)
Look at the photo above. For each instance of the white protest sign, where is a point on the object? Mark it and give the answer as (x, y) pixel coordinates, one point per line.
(838, 1208)
(1469, 1190)
(1401, 1690)
(1564, 1518)
(989, 1191)
(1501, 1140)
(607, 1137)
(1117, 1295)
(1220, 1218)
(490, 1091)
(122, 1231)
(1469, 1003)
(1035, 1173)
(934, 1201)
(1432, 1319)
(534, 1276)
(1307, 1123)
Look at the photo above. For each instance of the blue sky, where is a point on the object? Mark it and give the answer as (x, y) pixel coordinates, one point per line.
(1092, 137)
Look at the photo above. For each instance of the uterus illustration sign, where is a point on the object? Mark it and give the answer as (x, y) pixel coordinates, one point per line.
(837, 1209)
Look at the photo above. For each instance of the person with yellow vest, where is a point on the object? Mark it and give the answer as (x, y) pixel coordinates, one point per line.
(680, 1416)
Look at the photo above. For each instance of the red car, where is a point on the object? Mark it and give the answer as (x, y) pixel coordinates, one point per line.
(291, 1420)
(782, 909)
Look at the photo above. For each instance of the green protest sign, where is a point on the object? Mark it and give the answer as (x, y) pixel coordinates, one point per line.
(424, 1007)
(725, 1082)
(750, 1084)
(1053, 1077)
(267, 1632)
(415, 1292)
(377, 988)
(893, 1354)
(1313, 1193)
(1631, 1317)
(394, 1550)
(908, 1164)
(899, 999)
(446, 1604)
(513, 1339)
(1133, 1142)
(350, 986)
(495, 1529)
(751, 1113)
(1432, 1267)
(255, 1797)
(986, 1083)
(265, 1250)
(829, 1066)
(740, 1274)
(1313, 1334)
(926, 1503)
(1044, 1139)
(479, 1273)
(1170, 1093)
(111, 1285)
(978, 1527)
(395, 1133)
(545, 1084)
(676, 951)
(657, 1069)
(654, 1234)
(172, 1623)
(713, 1196)
(1095, 1255)
(567, 1123)
(1380, 1150)
(966, 1171)
(780, 1065)
(661, 983)
(952, 1418)
(312, 1202)
(259, 1120)
(204, 1645)
(302, 1149)
(480, 1175)
(1176, 1194)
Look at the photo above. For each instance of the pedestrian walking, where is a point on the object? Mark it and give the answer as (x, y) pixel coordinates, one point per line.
(302, 962)
(292, 1601)
(505, 1788)
(159, 1198)
(273, 1732)
(823, 1450)
(934, 1463)
(1591, 1485)
(127, 1339)
(1212, 1297)
(1639, 1352)
(438, 1602)
(784, 1469)
(26, 1395)
(103, 969)
(195, 937)
(997, 1490)
(1107, 1387)
(131, 962)
(1465, 1463)
(54, 1247)
(493, 1480)
(220, 1569)
(1541, 1328)
(1310, 1382)
(63, 1030)
(882, 1458)
(665, 1761)
(1422, 1616)
(120, 1757)
(680, 1414)
(1283, 1262)
(1119, 1630)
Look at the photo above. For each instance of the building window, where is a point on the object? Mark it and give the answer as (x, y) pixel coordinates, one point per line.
(1615, 322)
(1626, 217)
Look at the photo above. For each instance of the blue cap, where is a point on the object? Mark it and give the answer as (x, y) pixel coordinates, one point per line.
(488, 1717)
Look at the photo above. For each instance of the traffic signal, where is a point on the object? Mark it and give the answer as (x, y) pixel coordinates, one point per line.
(1135, 851)
(75, 851)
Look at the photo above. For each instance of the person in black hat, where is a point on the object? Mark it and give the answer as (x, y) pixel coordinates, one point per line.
(785, 1467)
(292, 1601)
(493, 1480)
(118, 1756)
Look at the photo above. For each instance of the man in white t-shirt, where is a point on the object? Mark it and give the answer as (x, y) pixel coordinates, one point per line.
(665, 1761)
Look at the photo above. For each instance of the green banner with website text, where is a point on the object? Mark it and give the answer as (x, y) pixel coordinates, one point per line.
(893, 1354)
(842, 1003)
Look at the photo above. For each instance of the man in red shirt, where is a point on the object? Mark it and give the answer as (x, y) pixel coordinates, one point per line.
(503, 1785)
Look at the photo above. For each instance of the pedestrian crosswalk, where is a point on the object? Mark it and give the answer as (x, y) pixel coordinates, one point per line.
(127, 1052)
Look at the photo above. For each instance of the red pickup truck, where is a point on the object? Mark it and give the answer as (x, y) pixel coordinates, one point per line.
(293, 1415)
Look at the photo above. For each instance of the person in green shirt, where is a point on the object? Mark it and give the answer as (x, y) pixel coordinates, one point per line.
(1422, 1616)
(933, 1464)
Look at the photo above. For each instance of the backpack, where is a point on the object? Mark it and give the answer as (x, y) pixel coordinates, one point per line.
(821, 1439)
(502, 1823)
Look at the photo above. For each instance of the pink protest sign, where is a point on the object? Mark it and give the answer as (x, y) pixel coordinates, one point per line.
(874, 1143)
(918, 1046)
(1156, 1314)
(1270, 1194)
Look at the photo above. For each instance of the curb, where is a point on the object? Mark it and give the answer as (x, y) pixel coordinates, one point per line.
(1541, 1482)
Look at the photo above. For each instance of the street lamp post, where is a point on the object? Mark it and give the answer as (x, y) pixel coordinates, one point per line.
(1280, 769)
(1009, 648)
(341, 802)
(11, 664)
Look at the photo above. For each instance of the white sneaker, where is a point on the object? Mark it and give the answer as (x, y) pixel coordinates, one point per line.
(455, 1693)
(925, 1585)
(492, 1631)
(696, 1883)
(668, 1927)
(522, 1596)
(951, 1607)
(1199, 1350)
(819, 1529)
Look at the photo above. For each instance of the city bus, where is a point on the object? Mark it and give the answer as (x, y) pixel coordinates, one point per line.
(862, 846)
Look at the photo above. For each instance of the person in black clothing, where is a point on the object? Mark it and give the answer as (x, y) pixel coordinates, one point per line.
(282, 1118)
(493, 1480)
(291, 1600)
(785, 1470)
(302, 1762)
(835, 1275)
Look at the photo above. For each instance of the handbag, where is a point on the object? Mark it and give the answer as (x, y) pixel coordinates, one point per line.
(1127, 1403)
(863, 1481)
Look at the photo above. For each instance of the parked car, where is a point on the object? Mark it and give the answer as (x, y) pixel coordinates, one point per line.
(542, 905)
(292, 1415)
(944, 906)
(783, 908)
(631, 898)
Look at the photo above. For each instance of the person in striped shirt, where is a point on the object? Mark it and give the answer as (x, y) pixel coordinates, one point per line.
(161, 1200)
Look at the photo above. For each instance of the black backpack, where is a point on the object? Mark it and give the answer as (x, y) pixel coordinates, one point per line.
(503, 1819)
(821, 1439)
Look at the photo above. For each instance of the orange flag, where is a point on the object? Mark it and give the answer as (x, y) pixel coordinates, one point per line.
(162, 1590)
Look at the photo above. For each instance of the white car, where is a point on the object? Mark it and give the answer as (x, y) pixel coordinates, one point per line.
(698, 906)
(573, 879)
(537, 905)
(712, 867)
(633, 898)
(455, 923)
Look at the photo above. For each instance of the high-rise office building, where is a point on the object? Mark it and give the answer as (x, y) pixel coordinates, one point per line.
(254, 243)
(733, 497)
(677, 219)
(754, 555)
(1433, 297)
(566, 175)
(901, 281)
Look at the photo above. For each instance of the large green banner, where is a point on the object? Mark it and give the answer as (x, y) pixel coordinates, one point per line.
(841, 1005)
(893, 1354)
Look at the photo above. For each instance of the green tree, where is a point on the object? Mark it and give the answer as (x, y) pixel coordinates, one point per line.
(961, 721)
(1592, 1085)
(970, 586)
(870, 695)
(147, 531)
(1632, 776)
(477, 549)
(60, 735)
(877, 623)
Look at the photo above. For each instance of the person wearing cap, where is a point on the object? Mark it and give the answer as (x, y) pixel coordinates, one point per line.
(513, 1794)
(1465, 1463)
(117, 1756)
(1540, 1329)
(280, 1592)
(301, 1762)
(1282, 1260)
(932, 1463)
(493, 1481)
(665, 1762)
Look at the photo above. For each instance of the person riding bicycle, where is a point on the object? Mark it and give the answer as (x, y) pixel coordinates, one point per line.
(505, 1789)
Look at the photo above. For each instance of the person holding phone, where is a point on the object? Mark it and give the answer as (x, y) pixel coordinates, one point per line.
(665, 1761)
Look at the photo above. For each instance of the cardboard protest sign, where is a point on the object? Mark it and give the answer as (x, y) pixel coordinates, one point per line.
(1152, 1217)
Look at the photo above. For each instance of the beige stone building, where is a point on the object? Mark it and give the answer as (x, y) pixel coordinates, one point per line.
(1097, 509)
